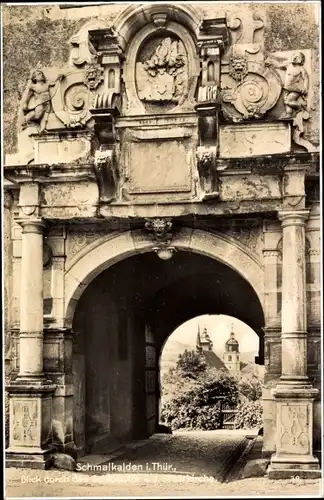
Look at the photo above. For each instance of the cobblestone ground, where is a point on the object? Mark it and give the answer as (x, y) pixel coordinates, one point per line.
(196, 463)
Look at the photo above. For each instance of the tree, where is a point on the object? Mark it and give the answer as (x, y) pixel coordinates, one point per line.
(190, 364)
(250, 388)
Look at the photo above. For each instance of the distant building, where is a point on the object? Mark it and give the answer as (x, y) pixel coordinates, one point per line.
(231, 356)
(204, 345)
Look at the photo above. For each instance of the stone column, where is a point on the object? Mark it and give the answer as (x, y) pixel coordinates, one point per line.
(31, 301)
(31, 394)
(294, 393)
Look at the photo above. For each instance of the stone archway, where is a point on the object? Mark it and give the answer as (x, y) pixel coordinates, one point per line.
(110, 249)
(123, 301)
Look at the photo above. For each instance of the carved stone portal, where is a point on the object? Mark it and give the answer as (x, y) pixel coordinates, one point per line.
(162, 71)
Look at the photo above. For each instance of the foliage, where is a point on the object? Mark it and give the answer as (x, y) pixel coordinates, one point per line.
(191, 364)
(250, 388)
(195, 403)
(249, 415)
(192, 395)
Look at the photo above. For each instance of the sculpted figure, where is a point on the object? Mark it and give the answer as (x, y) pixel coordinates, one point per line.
(36, 100)
(296, 83)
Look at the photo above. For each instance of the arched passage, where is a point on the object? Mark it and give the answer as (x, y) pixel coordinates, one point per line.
(126, 309)
(110, 249)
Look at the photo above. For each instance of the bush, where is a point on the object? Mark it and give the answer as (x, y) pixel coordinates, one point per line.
(249, 415)
(195, 403)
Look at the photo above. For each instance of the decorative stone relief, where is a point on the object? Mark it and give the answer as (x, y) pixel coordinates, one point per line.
(294, 428)
(295, 91)
(25, 421)
(93, 75)
(161, 229)
(79, 238)
(73, 99)
(248, 233)
(34, 111)
(36, 100)
(67, 98)
(249, 87)
(162, 71)
(242, 187)
(251, 238)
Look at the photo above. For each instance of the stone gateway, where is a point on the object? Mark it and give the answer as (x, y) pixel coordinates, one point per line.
(162, 162)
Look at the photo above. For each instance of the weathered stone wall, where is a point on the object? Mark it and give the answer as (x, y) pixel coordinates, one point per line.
(35, 34)
(100, 375)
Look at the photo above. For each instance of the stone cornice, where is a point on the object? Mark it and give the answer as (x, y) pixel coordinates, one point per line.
(44, 173)
(265, 164)
(271, 164)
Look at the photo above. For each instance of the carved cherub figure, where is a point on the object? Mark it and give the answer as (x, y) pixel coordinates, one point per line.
(36, 100)
(296, 82)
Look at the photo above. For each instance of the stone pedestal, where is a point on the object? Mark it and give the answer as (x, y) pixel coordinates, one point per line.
(30, 394)
(30, 425)
(294, 393)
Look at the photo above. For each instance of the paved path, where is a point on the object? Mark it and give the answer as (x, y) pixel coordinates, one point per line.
(200, 454)
(197, 464)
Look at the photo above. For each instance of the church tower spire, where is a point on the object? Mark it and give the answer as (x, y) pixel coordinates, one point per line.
(231, 356)
(198, 341)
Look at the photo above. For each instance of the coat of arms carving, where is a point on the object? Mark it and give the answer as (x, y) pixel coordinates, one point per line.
(162, 72)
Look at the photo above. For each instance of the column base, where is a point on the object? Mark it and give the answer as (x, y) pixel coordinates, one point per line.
(288, 467)
(30, 436)
(31, 459)
(294, 434)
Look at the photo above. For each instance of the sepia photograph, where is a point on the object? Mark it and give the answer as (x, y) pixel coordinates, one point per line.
(161, 249)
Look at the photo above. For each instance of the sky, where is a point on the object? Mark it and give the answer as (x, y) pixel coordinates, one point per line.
(219, 328)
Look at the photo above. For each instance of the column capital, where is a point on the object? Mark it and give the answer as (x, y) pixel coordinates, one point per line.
(32, 225)
(293, 217)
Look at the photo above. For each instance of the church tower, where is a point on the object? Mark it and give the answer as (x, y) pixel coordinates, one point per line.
(204, 342)
(231, 356)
